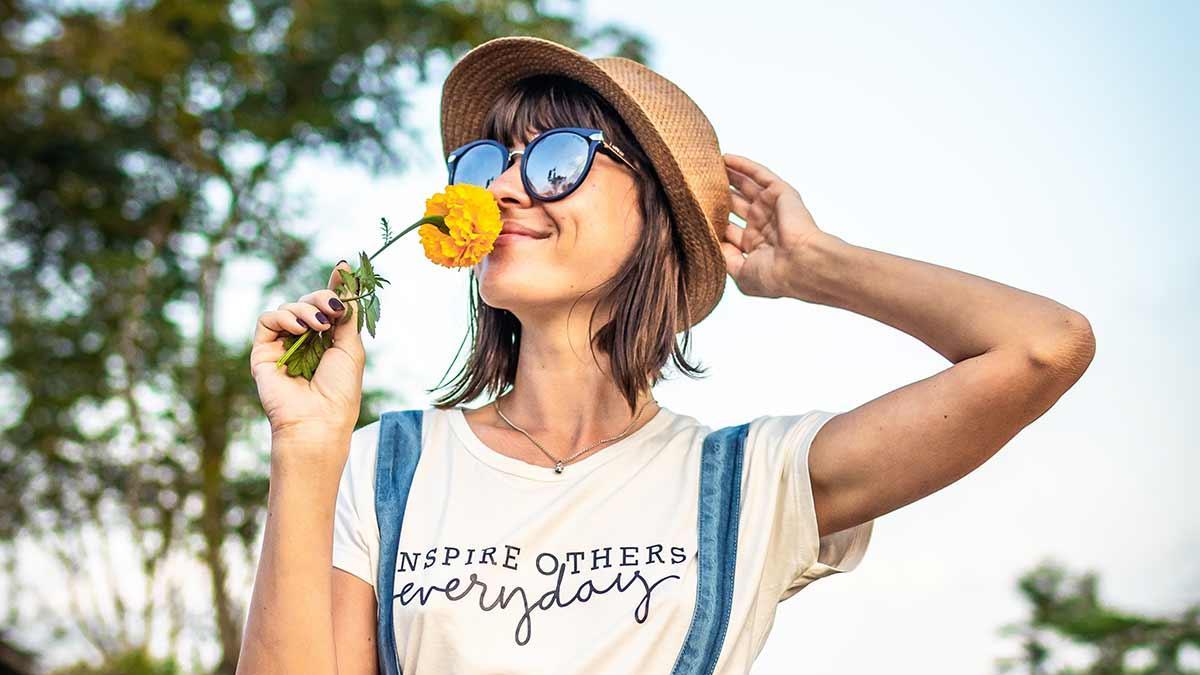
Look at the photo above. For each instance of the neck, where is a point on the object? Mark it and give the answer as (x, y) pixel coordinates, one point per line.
(568, 401)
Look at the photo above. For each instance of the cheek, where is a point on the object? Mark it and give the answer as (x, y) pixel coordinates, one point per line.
(595, 229)
(595, 217)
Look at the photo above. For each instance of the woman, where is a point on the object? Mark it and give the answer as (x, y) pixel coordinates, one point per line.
(554, 529)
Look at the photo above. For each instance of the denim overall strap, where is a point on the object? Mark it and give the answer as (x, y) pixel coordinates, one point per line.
(720, 503)
(395, 462)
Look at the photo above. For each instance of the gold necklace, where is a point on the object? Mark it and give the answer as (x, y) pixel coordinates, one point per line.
(560, 464)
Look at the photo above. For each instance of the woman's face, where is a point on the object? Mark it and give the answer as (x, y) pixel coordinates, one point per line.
(585, 239)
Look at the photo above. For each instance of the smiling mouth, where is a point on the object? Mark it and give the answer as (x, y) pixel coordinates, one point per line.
(515, 236)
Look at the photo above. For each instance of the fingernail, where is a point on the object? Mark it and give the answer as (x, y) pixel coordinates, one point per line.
(339, 262)
(336, 304)
(321, 317)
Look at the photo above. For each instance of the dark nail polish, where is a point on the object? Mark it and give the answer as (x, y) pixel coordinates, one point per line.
(336, 304)
(321, 317)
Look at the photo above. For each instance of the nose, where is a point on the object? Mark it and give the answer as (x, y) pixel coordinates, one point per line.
(508, 187)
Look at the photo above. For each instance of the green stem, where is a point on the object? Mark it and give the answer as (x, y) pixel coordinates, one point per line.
(437, 221)
(295, 345)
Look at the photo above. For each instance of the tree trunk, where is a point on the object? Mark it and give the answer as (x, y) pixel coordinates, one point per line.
(212, 421)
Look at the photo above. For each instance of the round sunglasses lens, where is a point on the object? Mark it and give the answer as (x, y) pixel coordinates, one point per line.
(556, 163)
(479, 165)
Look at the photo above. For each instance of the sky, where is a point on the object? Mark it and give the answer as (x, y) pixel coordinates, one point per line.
(1048, 146)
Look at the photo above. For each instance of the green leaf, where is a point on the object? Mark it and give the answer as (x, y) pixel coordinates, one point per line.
(349, 282)
(307, 357)
(372, 312)
(366, 273)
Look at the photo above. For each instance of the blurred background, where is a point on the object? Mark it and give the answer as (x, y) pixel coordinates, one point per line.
(169, 170)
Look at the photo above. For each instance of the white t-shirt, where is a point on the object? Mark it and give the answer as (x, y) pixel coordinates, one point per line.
(613, 538)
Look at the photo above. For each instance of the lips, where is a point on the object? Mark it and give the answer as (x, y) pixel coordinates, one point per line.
(513, 228)
(507, 238)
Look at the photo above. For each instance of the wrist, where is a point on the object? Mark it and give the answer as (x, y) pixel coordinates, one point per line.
(314, 447)
(312, 432)
(818, 268)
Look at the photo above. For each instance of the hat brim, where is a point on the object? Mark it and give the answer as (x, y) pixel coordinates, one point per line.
(482, 74)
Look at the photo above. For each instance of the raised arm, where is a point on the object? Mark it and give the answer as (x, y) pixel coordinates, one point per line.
(1014, 353)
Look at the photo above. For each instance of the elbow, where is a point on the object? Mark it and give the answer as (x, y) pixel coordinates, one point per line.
(1068, 351)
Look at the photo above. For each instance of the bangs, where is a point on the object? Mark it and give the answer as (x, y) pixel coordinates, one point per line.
(542, 102)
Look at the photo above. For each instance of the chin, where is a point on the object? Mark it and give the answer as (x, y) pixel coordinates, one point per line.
(512, 288)
(505, 286)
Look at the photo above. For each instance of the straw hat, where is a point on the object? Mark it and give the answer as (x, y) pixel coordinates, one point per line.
(670, 127)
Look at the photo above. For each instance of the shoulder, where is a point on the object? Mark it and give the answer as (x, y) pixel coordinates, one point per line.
(393, 427)
(789, 431)
(360, 463)
(358, 476)
(768, 433)
(365, 439)
(775, 447)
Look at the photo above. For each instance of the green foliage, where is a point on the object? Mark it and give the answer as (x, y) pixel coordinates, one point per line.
(385, 230)
(369, 283)
(1066, 608)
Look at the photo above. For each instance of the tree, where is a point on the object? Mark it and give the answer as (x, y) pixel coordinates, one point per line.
(145, 148)
(1069, 609)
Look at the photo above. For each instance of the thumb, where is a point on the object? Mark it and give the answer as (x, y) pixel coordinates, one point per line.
(345, 332)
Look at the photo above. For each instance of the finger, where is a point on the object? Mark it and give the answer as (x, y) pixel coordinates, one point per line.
(345, 331)
(733, 259)
(734, 235)
(759, 173)
(327, 301)
(266, 352)
(271, 325)
(309, 315)
(335, 279)
(741, 205)
(744, 184)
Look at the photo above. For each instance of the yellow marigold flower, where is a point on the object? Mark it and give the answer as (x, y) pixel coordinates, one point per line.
(471, 218)
(460, 226)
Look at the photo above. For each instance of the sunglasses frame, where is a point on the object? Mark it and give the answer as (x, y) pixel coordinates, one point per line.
(594, 137)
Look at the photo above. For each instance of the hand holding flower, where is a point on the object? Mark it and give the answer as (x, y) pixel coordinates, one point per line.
(460, 226)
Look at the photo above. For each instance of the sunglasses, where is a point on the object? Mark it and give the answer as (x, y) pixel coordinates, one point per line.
(553, 164)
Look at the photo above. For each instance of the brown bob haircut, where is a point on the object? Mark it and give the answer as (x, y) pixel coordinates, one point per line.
(647, 294)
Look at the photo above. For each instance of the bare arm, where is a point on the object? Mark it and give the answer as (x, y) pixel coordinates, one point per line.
(305, 616)
(354, 624)
(1014, 353)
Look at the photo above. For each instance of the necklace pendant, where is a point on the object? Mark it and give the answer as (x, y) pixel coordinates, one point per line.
(558, 466)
